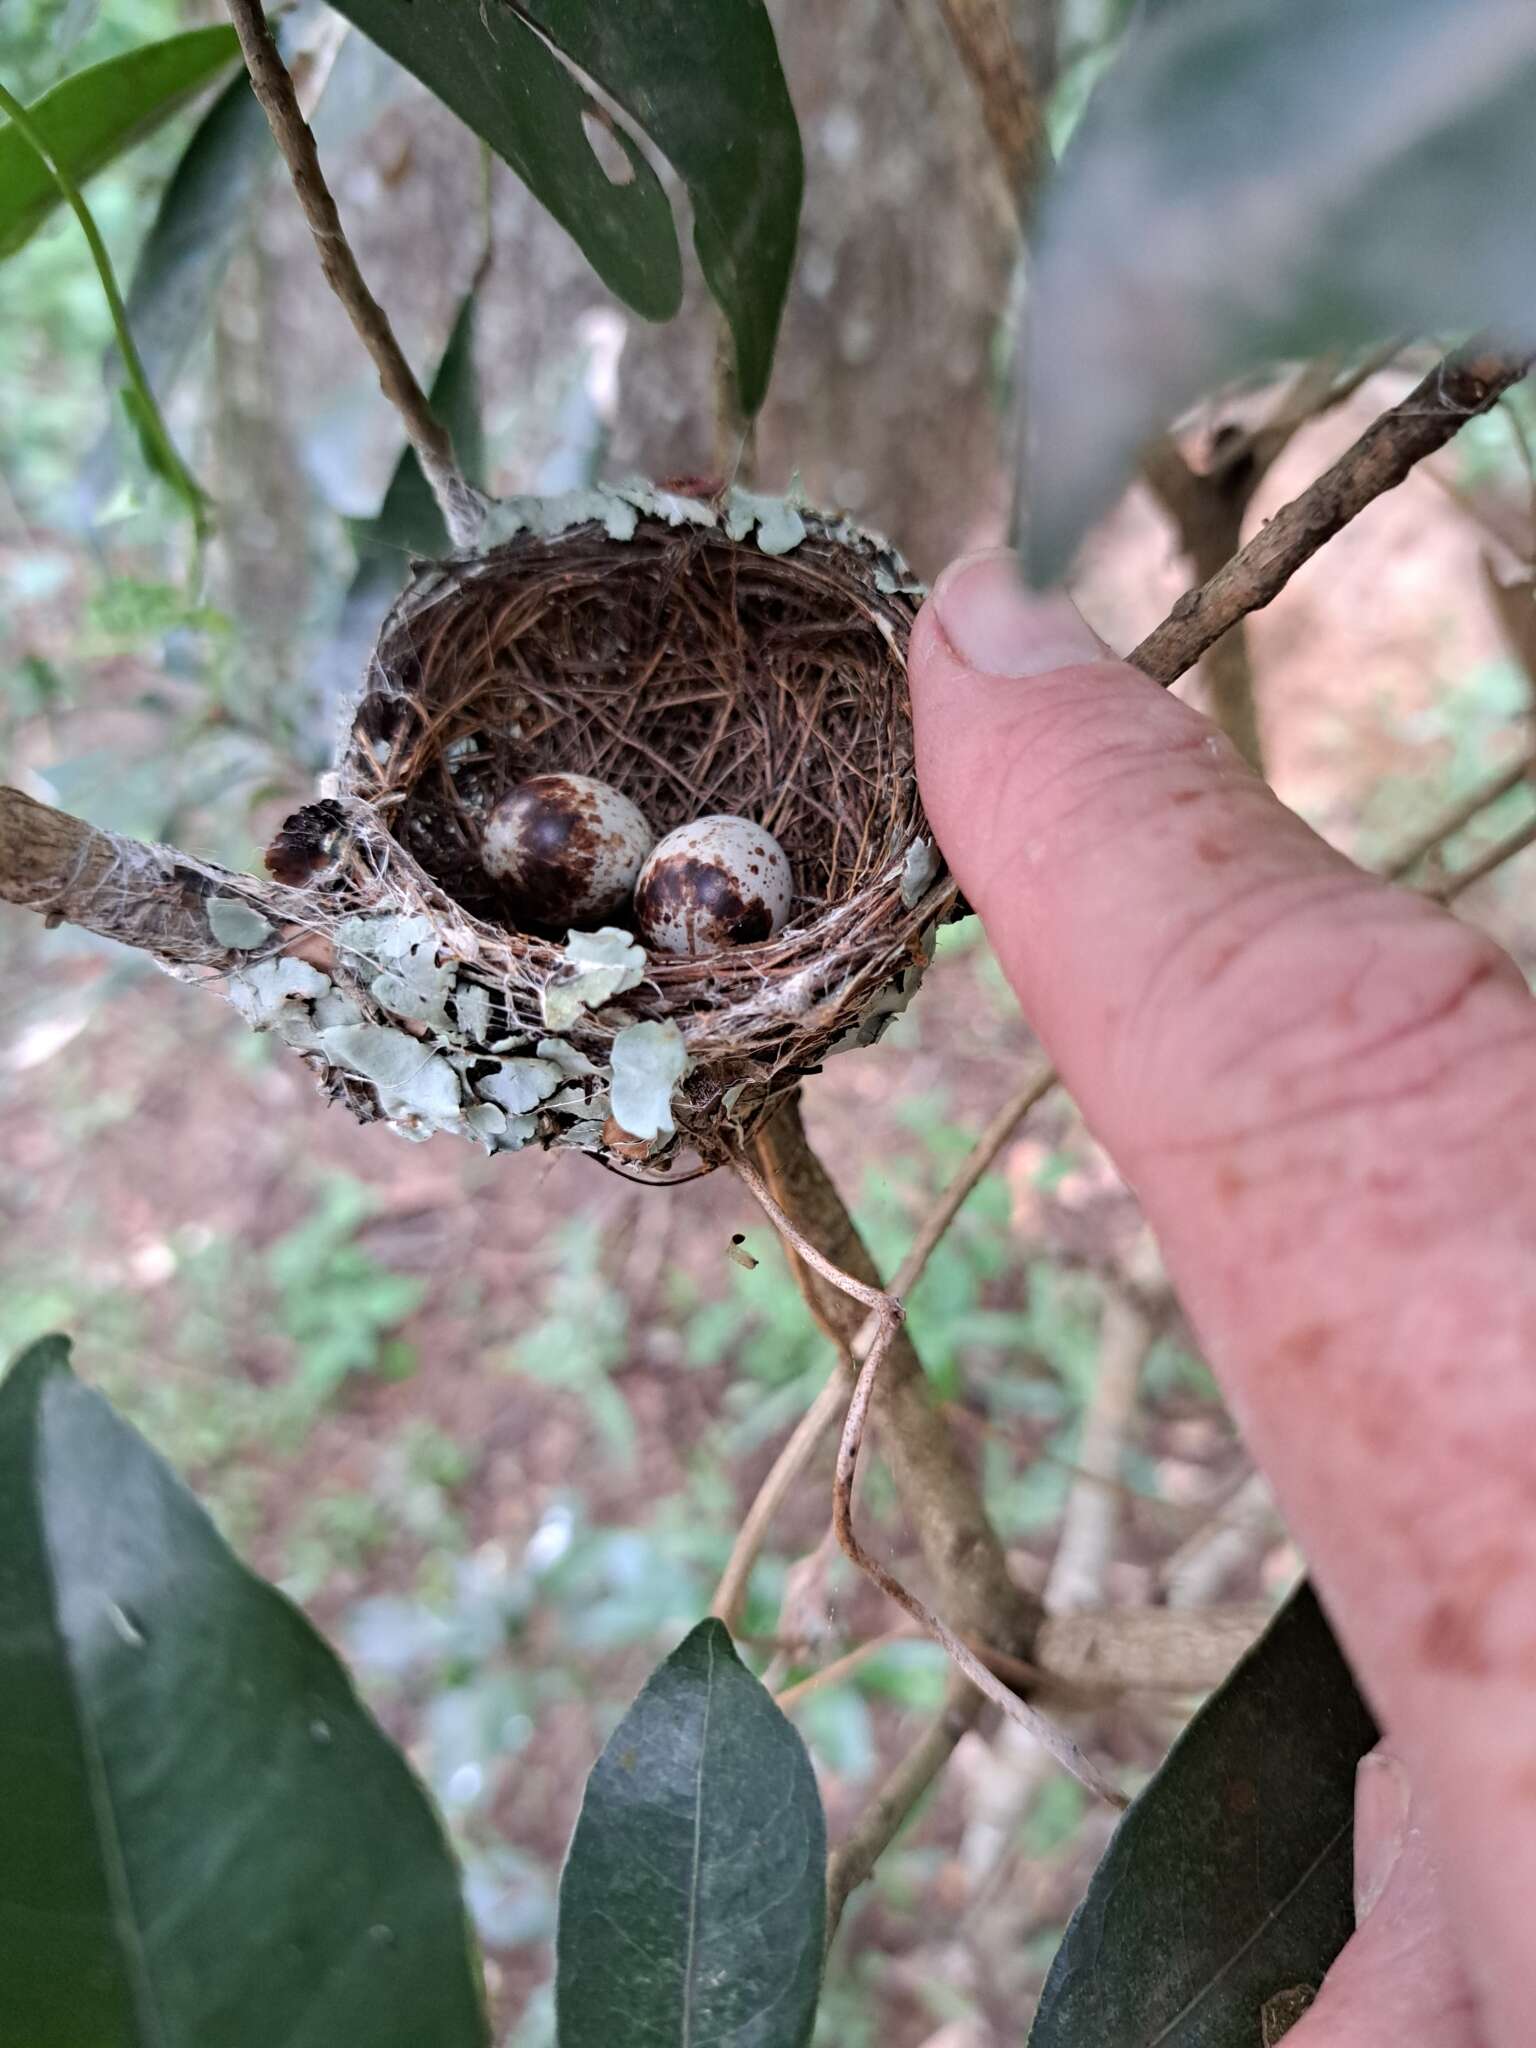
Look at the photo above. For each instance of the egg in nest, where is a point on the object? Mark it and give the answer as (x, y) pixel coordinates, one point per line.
(567, 849)
(721, 881)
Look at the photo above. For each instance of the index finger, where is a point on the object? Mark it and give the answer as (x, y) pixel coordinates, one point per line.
(1324, 1092)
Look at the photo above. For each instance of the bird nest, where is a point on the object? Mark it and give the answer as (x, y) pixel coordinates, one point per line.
(737, 654)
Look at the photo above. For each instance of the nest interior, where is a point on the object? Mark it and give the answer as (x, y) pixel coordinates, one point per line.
(698, 673)
(691, 671)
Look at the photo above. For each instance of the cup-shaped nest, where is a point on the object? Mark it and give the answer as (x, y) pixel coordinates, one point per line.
(738, 655)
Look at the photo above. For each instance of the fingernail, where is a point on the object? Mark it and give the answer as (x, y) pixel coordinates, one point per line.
(1382, 1798)
(996, 623)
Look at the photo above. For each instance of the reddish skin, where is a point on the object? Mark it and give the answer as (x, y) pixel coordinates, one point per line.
(1324, 1092)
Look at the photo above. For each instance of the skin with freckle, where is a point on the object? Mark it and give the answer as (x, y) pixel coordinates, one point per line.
(1323, 1091)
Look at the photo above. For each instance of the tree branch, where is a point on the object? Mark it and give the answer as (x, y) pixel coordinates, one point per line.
(1456, 390)
(274, 89)
(852, 1862)
(150, 897)
(970, 1572)
(1009, 91)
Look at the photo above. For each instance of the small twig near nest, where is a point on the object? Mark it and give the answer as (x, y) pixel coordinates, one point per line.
(871, 1346)
(1456, 390)
(274, 88)
(1460, 815)
(832, 1401)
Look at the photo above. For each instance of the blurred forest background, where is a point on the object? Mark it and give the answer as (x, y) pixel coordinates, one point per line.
(494, 1422)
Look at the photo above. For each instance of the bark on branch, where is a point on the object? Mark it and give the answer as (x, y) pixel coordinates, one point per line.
(274, 89)
(1456, 390)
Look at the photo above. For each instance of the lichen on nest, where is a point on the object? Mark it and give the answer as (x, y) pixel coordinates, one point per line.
(740, 654)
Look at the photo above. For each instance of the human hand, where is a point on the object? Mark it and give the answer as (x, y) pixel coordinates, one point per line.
(1323, 1090)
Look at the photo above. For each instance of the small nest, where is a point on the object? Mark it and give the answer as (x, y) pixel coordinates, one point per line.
(740, 656)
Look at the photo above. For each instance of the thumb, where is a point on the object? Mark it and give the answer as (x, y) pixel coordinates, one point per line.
(1399, 1979)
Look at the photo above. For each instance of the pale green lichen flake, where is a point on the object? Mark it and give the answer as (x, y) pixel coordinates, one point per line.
(598, 966)
(262, 991)
(234, 923)
(648, 1062)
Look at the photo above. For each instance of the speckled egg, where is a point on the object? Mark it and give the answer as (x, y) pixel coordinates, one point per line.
(566, 849)
(720, 882)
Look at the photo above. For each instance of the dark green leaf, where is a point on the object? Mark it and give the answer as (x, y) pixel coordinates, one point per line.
(93, 116)
(196, 228)
(1229, 1880)
(702, 78)
(207, 1839)
(1253, 182)
(505, 82)
(692, 1906)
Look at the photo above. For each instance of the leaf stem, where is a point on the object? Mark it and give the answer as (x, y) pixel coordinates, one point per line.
(146, 410)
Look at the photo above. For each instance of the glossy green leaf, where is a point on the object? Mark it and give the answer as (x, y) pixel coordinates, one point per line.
(207, 1838)
(1229, 1881)
(504, 82)
(1253, 182)
(702, 79)
(94, 115)
(196, 228)
(692, 1905)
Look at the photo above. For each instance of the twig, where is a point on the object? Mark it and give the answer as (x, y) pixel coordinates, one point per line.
(1240, 1530)
(977, 1162)
(1460, 814)
(851, 1863)
(1091, 1518)
(840, 1668)
(273, 87)
(771, 1496)
(936, 1488)
(145, 408)
(1011, 104)
(1051, 1738)
(1503, 850)
(1456, 390)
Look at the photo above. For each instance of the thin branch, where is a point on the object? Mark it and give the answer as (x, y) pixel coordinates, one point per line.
(1055, 1741)
(786, 1469)
(1239, 1532)
(853, 1861)
(274, 88)
(1011, 101)
(1091, 1519)
(1460, 815)
(934, 1483)
(145, 409)
(840, 1668)
(1479, 870)
(976, 1164)
(1456, 390)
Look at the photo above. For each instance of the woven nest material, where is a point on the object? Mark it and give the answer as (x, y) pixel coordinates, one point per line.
(733, 655)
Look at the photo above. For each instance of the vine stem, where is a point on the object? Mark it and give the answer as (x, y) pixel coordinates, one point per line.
(873, 1343)
(274, 89)
(146, 409)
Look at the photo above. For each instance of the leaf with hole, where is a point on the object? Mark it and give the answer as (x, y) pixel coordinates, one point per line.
(96, 114)
(701, 78)
(208, 1839)
(1252, 182)
(693, 1901)
(1229, 1881)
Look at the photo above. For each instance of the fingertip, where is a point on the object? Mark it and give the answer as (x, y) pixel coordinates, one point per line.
(993, 624)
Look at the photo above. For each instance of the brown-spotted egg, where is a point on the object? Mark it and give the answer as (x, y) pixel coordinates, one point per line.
(719, 882)
(566, 849)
